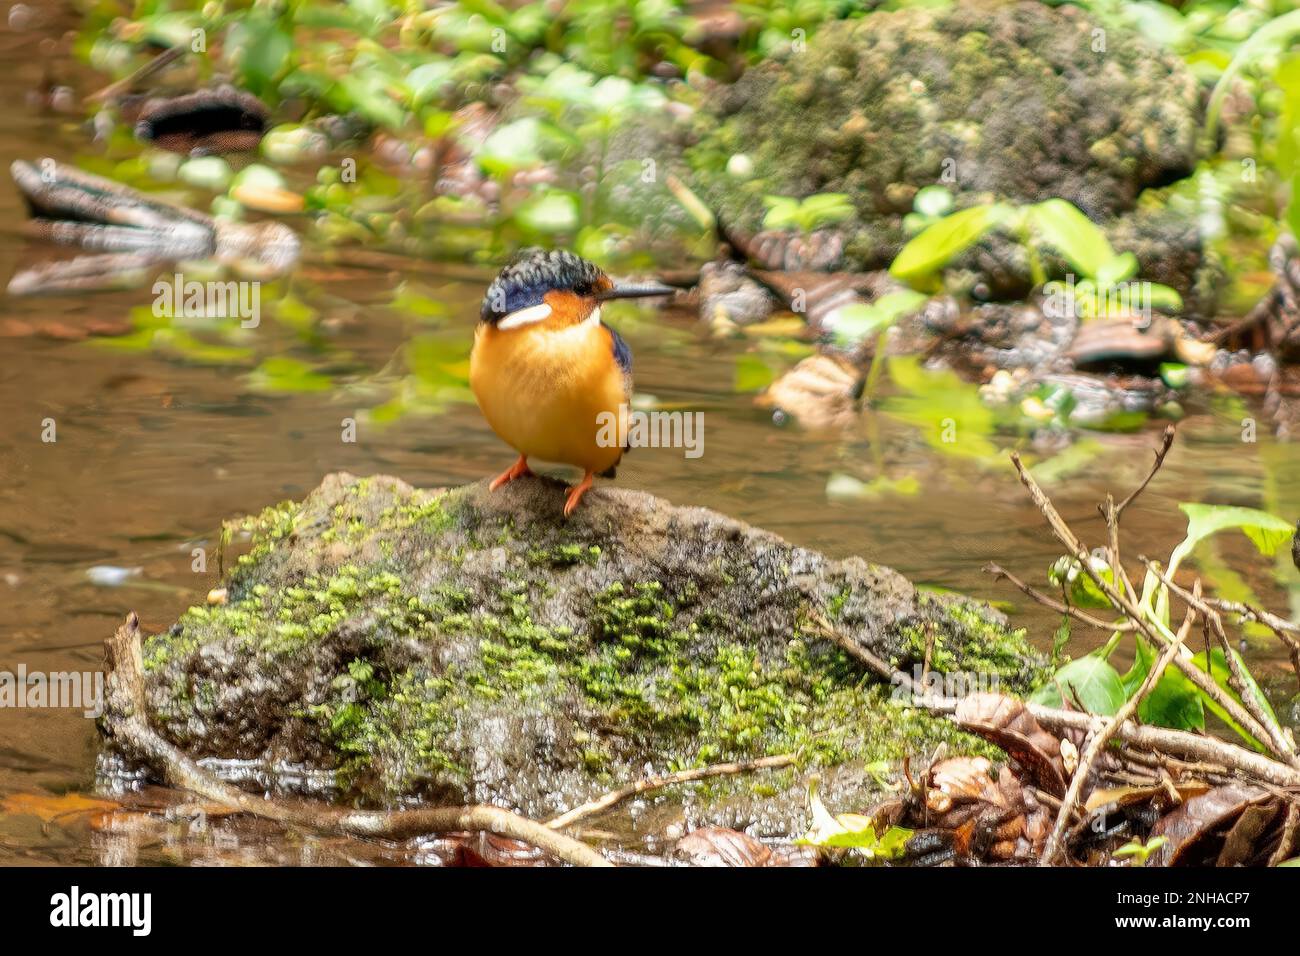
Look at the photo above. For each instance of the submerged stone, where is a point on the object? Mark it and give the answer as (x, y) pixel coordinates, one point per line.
(459, 646)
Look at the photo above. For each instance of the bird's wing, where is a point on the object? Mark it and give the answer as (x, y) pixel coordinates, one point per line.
(622, 354)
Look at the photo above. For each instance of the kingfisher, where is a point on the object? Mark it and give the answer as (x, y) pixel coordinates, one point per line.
(547, 372)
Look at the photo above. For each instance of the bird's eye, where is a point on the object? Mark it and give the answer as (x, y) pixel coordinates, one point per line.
(582, 289)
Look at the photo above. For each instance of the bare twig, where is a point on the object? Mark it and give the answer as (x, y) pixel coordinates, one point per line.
(1196, 748)
(143, 73)
(1125, 604)
(1059, 606)
(603, 803)
(125, 720)
(1237, 678)
(1288, 632)
(1100, 739)
(1166, 442)
(862, 655)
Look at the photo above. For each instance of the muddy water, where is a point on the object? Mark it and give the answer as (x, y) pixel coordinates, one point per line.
(153, 451)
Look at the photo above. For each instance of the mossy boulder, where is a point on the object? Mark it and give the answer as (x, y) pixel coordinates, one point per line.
(382, 644)
(1018, 101)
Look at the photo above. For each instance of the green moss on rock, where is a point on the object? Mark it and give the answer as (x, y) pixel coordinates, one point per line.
(1019, 101)
(467, 646)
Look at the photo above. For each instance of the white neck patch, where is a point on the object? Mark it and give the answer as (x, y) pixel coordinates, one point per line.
(534, 313)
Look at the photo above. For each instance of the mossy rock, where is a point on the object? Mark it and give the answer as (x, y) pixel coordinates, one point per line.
(382, 644)
(1016, 100)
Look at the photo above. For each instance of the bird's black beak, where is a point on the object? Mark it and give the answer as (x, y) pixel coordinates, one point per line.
(635, 290)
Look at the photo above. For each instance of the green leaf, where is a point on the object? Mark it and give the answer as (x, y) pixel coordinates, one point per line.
(782, 212)
(1163, 298)
(1077, 238)
(1117, 269)
(1089, 680)
(752, 374)
(855, 322)
(1267, 532)
(551, 212)
(1174, 702)
(940, 243)
(852, 831)
(1222, 675)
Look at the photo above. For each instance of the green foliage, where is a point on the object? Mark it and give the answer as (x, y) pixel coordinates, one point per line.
(937, 245)
(1140, 852)
(851, 831)
(1174, 701)
(1089, 682)
(1054, 224)
(807, 214)
(947, 409)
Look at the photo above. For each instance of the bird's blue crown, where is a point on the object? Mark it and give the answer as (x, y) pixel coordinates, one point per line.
(533, 273)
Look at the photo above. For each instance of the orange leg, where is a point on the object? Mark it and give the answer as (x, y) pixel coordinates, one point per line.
(518, 470)
(575, 494)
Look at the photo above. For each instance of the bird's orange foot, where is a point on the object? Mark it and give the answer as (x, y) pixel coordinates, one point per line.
(575, 494)
(518, 470)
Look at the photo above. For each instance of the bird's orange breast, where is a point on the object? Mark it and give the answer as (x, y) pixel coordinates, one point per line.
(545, 387)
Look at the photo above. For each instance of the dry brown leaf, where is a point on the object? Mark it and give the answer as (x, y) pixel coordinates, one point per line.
(1198, 831)
(1008, 723)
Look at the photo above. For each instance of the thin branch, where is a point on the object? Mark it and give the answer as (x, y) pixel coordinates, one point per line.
(1277, 739)
(125, 720)
(1285, 631)
(1059, 606)
(1166, 442)
(143, 73)
(603, 803)
(1180, 744)
(1126, 605)
(864, 656)
(1100, 739)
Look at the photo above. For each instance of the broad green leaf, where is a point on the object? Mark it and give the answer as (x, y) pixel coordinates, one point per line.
(1163, 298)
(858, 321)
(1222, 675)
(1077, 238)
(1267, 532)
(1090, 681)
(782, 212)
(948, 410)
(1117, 269)
(940, 243)
(1174, 702)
